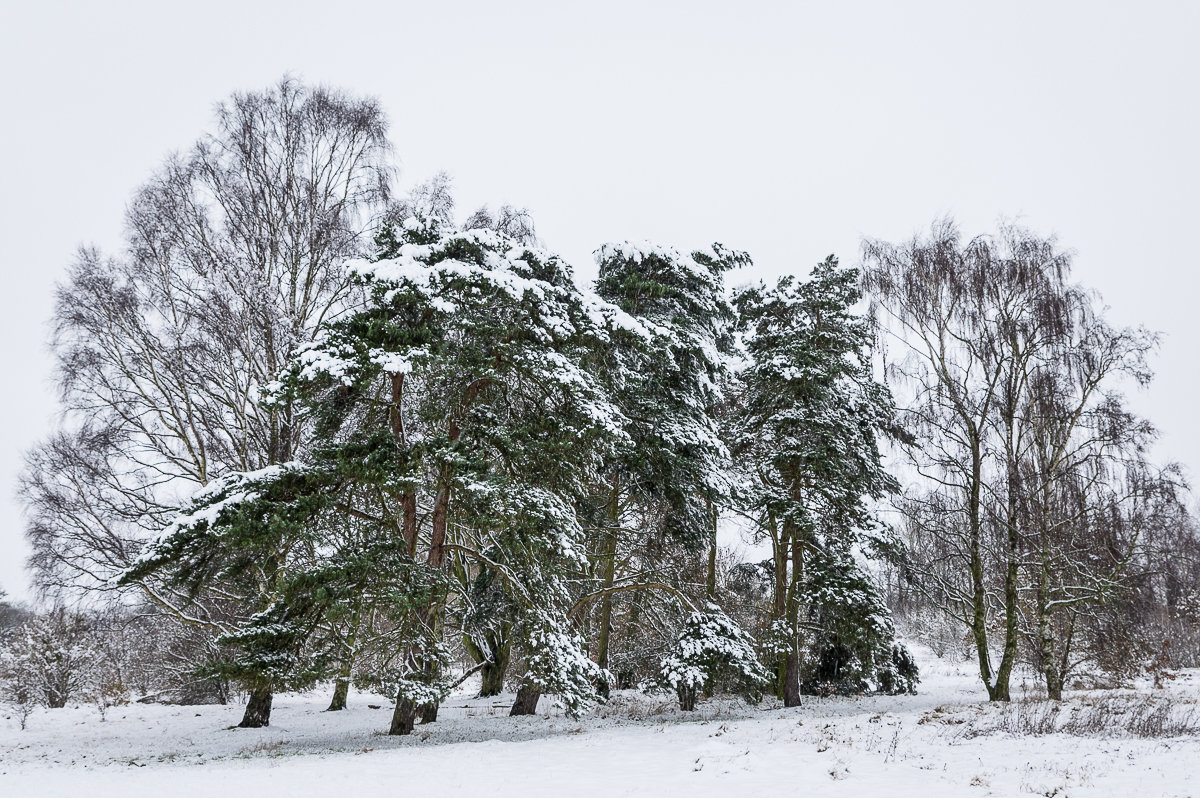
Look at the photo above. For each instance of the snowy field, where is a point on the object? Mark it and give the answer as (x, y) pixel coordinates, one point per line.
(946, 741)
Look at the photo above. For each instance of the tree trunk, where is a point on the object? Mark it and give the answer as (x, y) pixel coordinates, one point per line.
(341, 688)
(608, 563)
(405, 714)
(710, 583)
(1054, 684)
(408, 502)
(779, 603)
(1013, 523)
(1001, 692)
(494, 672)
(1045, 633)
(979, 596)
(527, 700)
(1063, 646)
(791, 670)
(408, 499)
(441, 506)
(780, 561)
(404, 717)
(687, 698)
(495, 658)
(791, 680)
(493, 681)
(258, 709)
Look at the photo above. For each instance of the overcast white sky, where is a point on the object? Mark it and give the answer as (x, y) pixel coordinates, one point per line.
(790, 130)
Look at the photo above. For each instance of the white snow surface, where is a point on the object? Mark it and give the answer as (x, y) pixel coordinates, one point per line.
(925, 745)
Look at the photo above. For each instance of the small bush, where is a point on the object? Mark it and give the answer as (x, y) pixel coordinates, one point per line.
(712, 653)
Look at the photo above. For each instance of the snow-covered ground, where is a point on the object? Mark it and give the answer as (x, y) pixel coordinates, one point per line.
(946, 741)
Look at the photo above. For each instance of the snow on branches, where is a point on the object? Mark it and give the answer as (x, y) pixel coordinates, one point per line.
(712, 650)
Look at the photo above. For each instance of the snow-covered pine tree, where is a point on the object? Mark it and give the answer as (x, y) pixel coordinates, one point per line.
(455, 421)
(664, 368)
(667, 380)
(491, 393)
(807, 435)
(851, 643)
(277, 534)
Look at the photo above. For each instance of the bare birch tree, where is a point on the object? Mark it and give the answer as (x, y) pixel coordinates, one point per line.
(232, 259)
(970, 316)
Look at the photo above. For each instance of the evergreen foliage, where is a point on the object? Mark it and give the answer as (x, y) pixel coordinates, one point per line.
(807, 435)
(466, 417)
(850, 641)
(668, 381)
(712, 653)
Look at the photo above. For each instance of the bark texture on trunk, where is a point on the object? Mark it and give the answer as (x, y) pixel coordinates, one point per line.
(441, 508)
(341, 689)
(608, 567)
(791, 669)
(408, 503)
(495, 671)
(527, 701)
(404, 717)
(341, 685)
(779, 601)
(1054, 686)
(791, 680)
(979, 596)
(687, 698)
(492, 681)
(1049, 656)
(1000, 691)
(258, 710)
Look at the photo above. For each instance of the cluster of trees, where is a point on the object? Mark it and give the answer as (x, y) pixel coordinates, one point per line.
(495, 455)
(319, 432)
(103, 656)
(1040, 523)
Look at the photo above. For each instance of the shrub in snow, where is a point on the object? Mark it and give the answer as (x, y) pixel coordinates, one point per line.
(851, 645)
(712, 653)
(900, 674)
(557, 664)
(56, 658)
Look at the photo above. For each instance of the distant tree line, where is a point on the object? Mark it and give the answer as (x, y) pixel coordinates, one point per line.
(318, 433)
